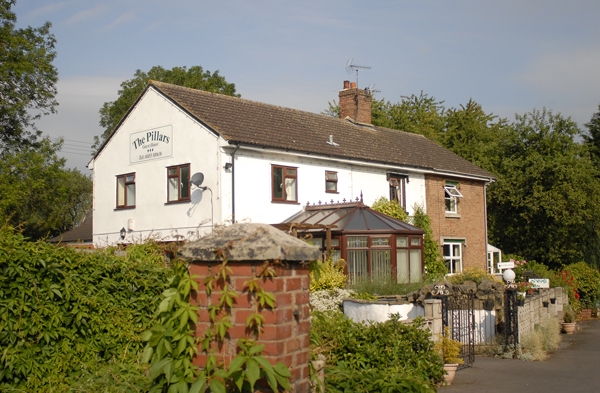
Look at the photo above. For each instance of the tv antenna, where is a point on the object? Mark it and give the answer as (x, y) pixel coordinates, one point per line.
(371, 89)
(350, 68)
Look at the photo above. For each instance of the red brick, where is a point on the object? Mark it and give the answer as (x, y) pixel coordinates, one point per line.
(302, 297)
(304, 327)
(302, 357)
(283, 271)
(273, 348)
(241, 269)
(283, 299)
(244, 300)
(197, 269)
(293, 284)
(272, 284)
(292, 345)
(278, 332)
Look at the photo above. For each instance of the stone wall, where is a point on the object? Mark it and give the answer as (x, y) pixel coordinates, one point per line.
(539, 308)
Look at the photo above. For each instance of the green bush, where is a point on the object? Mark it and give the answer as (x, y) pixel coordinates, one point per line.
(64, 312)
(473, 274)
(379, 351)
(587, 282)
(330, 275)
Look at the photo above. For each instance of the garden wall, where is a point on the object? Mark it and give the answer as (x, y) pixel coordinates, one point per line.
(539, 308)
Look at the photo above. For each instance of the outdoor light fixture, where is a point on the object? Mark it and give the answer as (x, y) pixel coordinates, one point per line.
(228, 166)
(509, 276)
(122, 232)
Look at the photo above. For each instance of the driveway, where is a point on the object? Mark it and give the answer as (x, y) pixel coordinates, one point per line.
(573, 368)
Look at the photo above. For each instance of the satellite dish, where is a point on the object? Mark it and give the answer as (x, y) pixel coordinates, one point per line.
(197, 179)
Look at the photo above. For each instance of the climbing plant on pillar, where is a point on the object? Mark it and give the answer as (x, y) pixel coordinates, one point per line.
(171, 344)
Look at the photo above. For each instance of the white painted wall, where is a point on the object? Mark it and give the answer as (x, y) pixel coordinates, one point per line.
(253, 185)
(380, 311)
(152, 216)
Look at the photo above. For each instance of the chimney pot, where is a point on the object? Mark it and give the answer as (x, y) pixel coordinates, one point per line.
(346, 84)
(353, 85)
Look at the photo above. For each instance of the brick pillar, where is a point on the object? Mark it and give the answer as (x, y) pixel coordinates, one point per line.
(286, 327)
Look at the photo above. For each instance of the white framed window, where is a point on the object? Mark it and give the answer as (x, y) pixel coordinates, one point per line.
(126, 191)
(453, 251)
(451, 195)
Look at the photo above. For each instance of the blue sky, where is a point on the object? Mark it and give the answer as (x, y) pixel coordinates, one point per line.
(509, 56)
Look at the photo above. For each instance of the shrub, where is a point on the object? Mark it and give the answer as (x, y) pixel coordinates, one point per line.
(376, 288)
(587, 282)
(435, 268)
(63, 312)
(390, 208)
(472, 274)
(448, 348)
(330, 299)
(330, 275)
(380, 351)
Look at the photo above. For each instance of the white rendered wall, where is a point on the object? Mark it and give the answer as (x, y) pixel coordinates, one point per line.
(380, 311)
(253, 185)
(152, 216)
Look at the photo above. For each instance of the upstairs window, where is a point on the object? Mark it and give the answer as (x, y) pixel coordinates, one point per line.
(126, 191)
(178, 183)
(397, 189)
(284, 182)
(331, 179)
(451, 195)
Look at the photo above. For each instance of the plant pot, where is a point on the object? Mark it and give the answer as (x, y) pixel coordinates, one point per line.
(522, 294)
(545, 304)
(450, 372)
(569, 327)
(553, 301)
(521, 302)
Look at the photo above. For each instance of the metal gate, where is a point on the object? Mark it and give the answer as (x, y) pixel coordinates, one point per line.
(458, 312)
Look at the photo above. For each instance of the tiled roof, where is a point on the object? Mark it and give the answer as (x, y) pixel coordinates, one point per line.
(80, 234)
(258, 124)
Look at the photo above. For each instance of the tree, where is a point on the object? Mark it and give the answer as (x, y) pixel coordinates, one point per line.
(38, 194)
(546, 200)
(417, 114)
(473, 134)
(111, 113)
(27, 78)
(592, 137)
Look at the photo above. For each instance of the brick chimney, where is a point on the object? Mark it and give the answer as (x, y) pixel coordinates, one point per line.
(355, 103)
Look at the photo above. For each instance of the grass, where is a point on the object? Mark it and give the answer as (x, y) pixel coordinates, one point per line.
(384, 289)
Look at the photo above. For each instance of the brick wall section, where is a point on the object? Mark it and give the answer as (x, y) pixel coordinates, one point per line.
(470, 225)
(352, 97)
(285, 336)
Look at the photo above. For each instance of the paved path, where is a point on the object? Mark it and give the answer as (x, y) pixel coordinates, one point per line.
(573, 368)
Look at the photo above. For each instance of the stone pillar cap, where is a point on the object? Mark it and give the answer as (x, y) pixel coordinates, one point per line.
(251, 242)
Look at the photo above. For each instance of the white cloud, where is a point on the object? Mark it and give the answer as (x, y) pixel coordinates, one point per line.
(121, 19)
(87, 14)
(48, 9)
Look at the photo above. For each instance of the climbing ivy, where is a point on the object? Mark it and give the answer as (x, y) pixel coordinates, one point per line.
(171, 344)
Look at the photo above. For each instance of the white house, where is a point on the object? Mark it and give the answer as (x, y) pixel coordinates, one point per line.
(183, 160)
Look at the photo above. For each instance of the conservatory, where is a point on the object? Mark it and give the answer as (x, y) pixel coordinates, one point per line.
(374, 245)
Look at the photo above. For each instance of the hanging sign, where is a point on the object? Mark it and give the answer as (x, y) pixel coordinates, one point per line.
(506, 265)
(540, 282)
(152, 144)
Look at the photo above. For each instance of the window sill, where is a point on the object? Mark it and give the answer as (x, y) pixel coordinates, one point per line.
(177, 202)
(286, 202)
(331, 192)
(452, 215)
(124, 208)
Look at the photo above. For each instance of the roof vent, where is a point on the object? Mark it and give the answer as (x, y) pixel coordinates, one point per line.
(331, 142)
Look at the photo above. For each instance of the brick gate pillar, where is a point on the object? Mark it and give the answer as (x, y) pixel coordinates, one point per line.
(286, 328)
